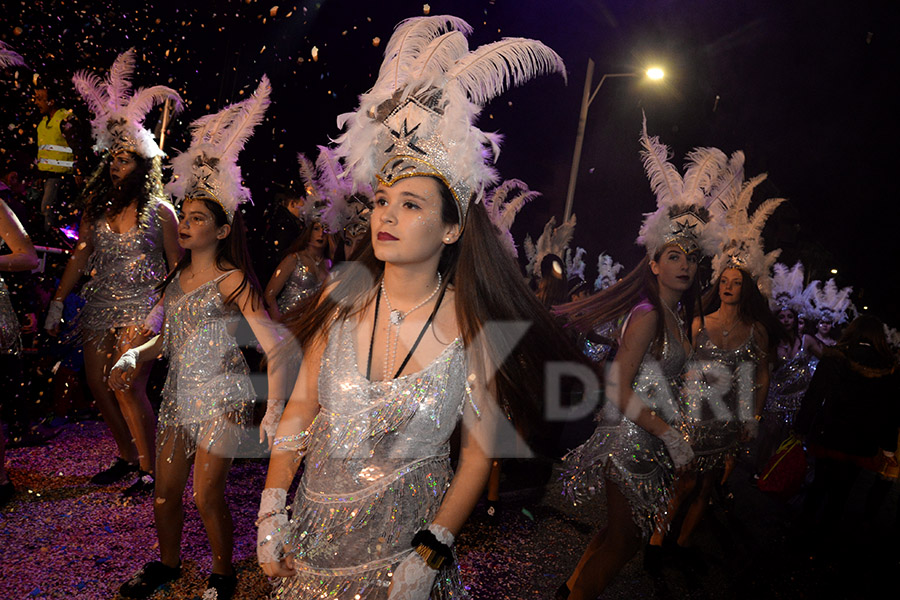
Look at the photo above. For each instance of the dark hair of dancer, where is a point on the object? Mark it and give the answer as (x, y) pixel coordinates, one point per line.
(100, 197)
(639, 285)
(231, 253)
(489, 288)
(753, 308)
(867, 329)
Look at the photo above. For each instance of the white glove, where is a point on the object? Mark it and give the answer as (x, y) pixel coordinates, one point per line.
(413, 579)
(54, 315)
(128, 360)
(679, 450)
(274, 409)
(272, 524)
(156, 318)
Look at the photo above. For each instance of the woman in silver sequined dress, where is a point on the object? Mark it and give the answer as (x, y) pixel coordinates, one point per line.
(637, 437)
(21, 257)
(795, 364)
(300, 273)
(404, 345)
(127, 242)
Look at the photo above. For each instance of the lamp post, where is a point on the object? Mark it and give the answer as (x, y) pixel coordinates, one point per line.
(588, 97)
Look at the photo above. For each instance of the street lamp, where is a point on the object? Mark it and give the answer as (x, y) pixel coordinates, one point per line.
(654, 74)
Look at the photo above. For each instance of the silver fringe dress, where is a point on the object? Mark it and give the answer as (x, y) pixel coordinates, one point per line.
(302, 284)
(125, 268)
(627, 455)
(208, 396)
(10, 340)
(719, 398)
(376, 471)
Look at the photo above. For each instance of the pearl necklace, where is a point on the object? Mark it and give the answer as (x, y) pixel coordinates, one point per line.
(395, 318)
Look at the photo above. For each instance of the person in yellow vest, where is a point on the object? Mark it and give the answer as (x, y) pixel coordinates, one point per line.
(55, 152)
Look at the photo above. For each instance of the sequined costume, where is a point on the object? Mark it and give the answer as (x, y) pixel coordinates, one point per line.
(376, 471)
(302, 284)
(10, 341)
(718, 398)
(124, 269)
(208, 394)
(627, 455)
(789, 382)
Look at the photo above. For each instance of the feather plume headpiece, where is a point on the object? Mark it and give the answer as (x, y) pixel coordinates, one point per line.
(418, 118)
(607, 272)
(9, 57)
(828, 302)
(683, 204)
(787, 289)
(575, 264)
(208, 169)
(502, 207)
(892, 336)
(553, 240)
(118, 123)
(743, 243)
(330, 199)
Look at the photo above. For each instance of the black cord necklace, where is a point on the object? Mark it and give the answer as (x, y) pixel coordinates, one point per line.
(413, 347)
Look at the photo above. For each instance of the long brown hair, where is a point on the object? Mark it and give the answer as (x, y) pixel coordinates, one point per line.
(100, 197)
(489, 288)
(231, 252)
(638, 286)
(753, 308)
(867, 329)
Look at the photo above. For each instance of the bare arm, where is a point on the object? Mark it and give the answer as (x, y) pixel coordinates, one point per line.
(78, 261)
(120, 377)
(276, 283)
(22, 256)
(170, 234)
(814, 345)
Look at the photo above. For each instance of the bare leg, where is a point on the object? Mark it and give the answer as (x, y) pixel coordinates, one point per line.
(97, 357)
(618, 546)
(210, 473)
(683, 487)
(697, 508)
(135, 406)
(168, 506)
(493, 490)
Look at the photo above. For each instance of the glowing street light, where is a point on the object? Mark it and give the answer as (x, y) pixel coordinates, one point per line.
(834, 271)
(653, 73)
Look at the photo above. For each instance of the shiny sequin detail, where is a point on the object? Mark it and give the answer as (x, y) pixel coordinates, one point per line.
(208, 396)
(302, 284)
(10, 340)
(621, 452)
(376, 472)
(124, 270)
(718, 398)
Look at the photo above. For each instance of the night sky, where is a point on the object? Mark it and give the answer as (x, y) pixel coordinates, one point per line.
(805, 88)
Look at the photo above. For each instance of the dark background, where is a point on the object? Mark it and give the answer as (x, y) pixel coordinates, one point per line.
(804, 87)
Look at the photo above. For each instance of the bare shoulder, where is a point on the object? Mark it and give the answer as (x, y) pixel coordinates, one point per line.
(231, 281)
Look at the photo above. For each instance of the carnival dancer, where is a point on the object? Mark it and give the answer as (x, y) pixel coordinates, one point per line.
(21, 257)
(208, 397)
(830, 306)
(398, 350)
(638, 447)
(305, 266)
(127, 237)
(728, 379)
(794, 365)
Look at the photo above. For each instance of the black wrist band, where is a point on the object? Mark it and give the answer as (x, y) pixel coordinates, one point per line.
(431, 549)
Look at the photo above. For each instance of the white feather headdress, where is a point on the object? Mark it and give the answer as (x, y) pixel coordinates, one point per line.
(329, 193)
(607, 272)
(9, 57)
(418, 118)
(502, 208)
(828, 302)
(682, 216)
(118, 123)
(742, 246)
(575, 264)
(553, 240)
(787, 288)
(208, 169)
